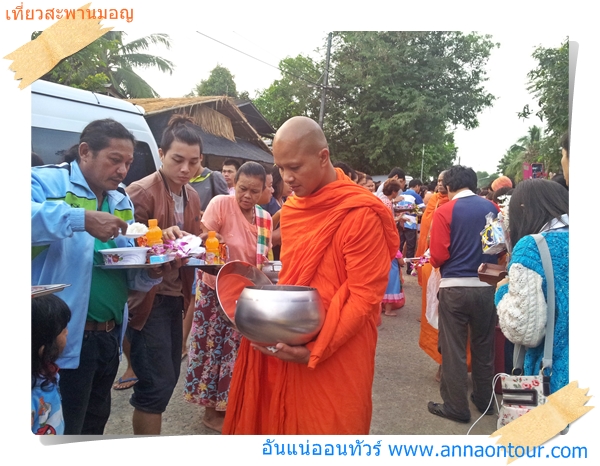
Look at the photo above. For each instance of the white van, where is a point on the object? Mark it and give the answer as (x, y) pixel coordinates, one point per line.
(59, 114)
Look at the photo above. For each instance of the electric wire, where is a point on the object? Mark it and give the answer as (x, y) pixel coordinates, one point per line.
(320, 86)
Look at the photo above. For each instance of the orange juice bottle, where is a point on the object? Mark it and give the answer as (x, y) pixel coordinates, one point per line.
(154, 235)
(212, 249)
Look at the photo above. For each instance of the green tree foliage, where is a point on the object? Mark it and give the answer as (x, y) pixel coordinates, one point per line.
(511, 163)
(107, 65)
(484, 179)
(529, 145)
(398, 91)
(549, 84)
(390, 95)
(295, 94)
(81, 69)
(434, 159)
(124, 80)
(220, 82)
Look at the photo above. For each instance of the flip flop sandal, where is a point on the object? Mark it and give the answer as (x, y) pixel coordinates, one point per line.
(438, 410)
(125, 381)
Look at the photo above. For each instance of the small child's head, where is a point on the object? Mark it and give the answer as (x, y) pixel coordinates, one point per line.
(49, 318)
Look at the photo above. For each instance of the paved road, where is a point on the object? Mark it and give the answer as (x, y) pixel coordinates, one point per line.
(404, 383)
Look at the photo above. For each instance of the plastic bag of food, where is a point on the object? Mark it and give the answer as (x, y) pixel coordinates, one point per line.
(492, 236)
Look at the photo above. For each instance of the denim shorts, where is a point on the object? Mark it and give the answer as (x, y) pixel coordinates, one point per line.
(156, 354)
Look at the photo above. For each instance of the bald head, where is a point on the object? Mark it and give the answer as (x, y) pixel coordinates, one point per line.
(301, 153)
(440, 184)
(302, 131)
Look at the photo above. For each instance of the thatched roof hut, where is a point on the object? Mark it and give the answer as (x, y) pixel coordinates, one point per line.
(255, 118)
(226, 132)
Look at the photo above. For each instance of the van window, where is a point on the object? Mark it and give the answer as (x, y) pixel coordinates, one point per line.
(51, 145)
(143, 163)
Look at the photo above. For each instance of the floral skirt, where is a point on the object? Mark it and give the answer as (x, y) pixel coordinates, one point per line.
(212, 353)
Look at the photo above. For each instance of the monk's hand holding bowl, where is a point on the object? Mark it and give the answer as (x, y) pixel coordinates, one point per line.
(298, 354)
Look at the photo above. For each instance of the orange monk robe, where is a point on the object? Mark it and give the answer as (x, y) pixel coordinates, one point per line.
(341, 241)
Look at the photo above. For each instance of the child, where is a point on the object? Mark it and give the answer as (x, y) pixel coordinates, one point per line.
(49, 318)
(394, 296)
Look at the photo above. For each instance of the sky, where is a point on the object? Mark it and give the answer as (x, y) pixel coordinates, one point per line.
(196, 53)
(272, 24)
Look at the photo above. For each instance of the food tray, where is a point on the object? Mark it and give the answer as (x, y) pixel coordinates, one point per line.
(42, 290)
(132, 266)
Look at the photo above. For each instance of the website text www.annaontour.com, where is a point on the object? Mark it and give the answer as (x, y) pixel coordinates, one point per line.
(362, 448)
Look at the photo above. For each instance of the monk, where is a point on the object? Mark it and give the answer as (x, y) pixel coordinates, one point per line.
(428, 338)
(340, 239)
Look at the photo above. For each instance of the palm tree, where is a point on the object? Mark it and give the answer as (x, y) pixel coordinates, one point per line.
(526, 149)
(107, 66)
(530, 144)
(119, 61)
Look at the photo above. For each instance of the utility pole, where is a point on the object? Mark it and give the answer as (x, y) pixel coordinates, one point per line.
(422, 161)
(325, 82)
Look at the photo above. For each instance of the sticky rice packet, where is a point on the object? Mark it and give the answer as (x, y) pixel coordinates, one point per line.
(492, 236)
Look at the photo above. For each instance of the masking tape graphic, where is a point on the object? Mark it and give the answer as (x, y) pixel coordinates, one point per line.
(65, 37)
(546, 421)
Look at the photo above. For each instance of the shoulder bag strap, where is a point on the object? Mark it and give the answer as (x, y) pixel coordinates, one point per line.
(518, 359)
(547, 264)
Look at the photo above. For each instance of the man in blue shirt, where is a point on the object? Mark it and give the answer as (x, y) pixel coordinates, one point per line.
(466, 304)
(77, 210)
(408, 236)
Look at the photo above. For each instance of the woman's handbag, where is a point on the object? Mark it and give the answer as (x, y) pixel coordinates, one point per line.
(522, 393)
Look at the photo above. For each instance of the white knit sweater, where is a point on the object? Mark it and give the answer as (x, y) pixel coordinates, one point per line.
(523, 311)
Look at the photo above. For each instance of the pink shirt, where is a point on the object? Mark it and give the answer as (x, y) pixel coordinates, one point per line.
(388, 203)
(224, 216)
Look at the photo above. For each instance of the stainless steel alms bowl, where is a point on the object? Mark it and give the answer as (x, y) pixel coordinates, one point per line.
(270, 314)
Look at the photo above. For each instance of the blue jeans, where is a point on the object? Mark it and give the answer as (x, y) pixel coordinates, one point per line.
(85, 391)
(156, 354)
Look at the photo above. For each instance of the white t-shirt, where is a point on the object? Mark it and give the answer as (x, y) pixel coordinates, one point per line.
(178, 210)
